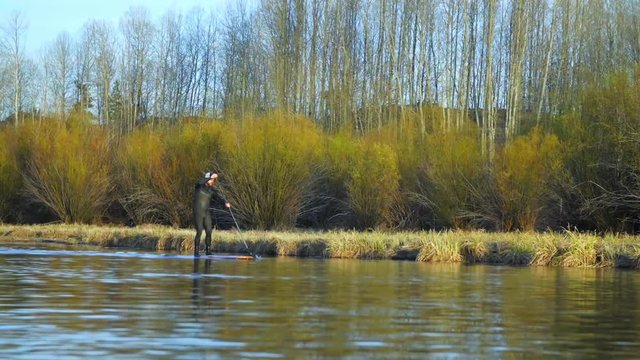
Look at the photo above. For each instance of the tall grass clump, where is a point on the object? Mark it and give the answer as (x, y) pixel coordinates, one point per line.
(441, 247)
(158, 168)
(67, 169)
(268, 169)
(525, 172)
(579, 250)
(355, 245)
(545, 249)
(621, 251)
(518, 249)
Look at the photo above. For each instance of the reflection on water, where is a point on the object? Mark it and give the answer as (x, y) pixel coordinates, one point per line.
(73, 304)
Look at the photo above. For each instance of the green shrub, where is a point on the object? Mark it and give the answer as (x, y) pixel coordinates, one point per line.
(339, 156)
(336, 162)
(603, 156)
(268, 172)
(454, 179)
(525, 171)
(140, 173)
(407, 139)
(10, 181)
(373, 184)
(67, 170)
(158, 169)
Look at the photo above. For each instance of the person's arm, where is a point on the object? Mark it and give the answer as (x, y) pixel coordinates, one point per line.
(220, 199)
(200, 183)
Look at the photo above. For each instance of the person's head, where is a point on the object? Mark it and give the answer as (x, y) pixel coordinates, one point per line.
(211, 178)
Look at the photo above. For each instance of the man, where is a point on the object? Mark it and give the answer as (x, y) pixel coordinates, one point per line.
(204, 193)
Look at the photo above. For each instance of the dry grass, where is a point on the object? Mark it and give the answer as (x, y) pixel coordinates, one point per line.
(569, 249)
(440, 247)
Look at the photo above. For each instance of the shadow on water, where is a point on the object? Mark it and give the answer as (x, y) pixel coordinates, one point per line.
(198, 290)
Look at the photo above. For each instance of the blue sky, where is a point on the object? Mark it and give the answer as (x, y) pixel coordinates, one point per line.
(48, 18)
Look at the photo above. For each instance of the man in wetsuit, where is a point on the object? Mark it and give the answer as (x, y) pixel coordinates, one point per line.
(204, 193)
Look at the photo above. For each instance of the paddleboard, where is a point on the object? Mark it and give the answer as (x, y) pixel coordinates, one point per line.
(227, 257)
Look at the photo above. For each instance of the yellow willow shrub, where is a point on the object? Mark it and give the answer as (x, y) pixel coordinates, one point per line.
(332, 203)
(68, 169)
(140, 164)
(338, 160)
(406, 139)
(373, 184)
(607, 166)
(454, 169)
(159, 168)
(525, 171)
(10, 181)
(269, 170)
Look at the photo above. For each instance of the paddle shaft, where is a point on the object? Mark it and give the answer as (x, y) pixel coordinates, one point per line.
(240, 232)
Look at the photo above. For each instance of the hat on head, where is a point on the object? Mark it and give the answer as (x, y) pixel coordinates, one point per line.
(210, 175)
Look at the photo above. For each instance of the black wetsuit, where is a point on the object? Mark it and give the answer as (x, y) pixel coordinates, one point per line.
(202, 201)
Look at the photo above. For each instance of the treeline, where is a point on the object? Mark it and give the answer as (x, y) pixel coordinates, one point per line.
(280, 170)
(350, 63)
(488, 114)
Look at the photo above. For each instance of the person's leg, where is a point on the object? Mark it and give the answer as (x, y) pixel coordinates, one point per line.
(196, 241)
(208, 224)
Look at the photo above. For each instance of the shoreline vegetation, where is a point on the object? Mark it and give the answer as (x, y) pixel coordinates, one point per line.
(385, 115)
(562, 249)
(455, 131)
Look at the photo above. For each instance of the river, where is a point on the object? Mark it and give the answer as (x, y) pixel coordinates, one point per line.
(75, 303)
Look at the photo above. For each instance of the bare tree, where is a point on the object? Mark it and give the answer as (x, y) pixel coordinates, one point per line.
(239, 92)
(518, 40)
(101, 43)
(61, 67)
(137, 33)
(488, 118)
(354, 63)
(12, 46)
(547, 64)
(84, 65)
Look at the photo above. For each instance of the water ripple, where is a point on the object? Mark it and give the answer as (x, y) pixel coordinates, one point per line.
(78, 304)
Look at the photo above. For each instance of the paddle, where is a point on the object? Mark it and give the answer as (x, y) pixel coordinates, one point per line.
(237, 226)
(240, 232)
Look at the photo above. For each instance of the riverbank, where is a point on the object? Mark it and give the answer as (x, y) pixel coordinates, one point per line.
(569, 249)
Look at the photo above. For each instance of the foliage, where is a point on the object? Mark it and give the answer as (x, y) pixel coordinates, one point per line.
(424, 168)
(407, 139)
(373, 184)
(336, 162)
(10, 181)
(453, 178)
(525, 171)
(158, 169)
(603, 156)
(339, 156)
(67, 170)
(269, 171)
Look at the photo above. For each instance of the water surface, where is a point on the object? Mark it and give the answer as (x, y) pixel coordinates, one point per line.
(74, 303)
